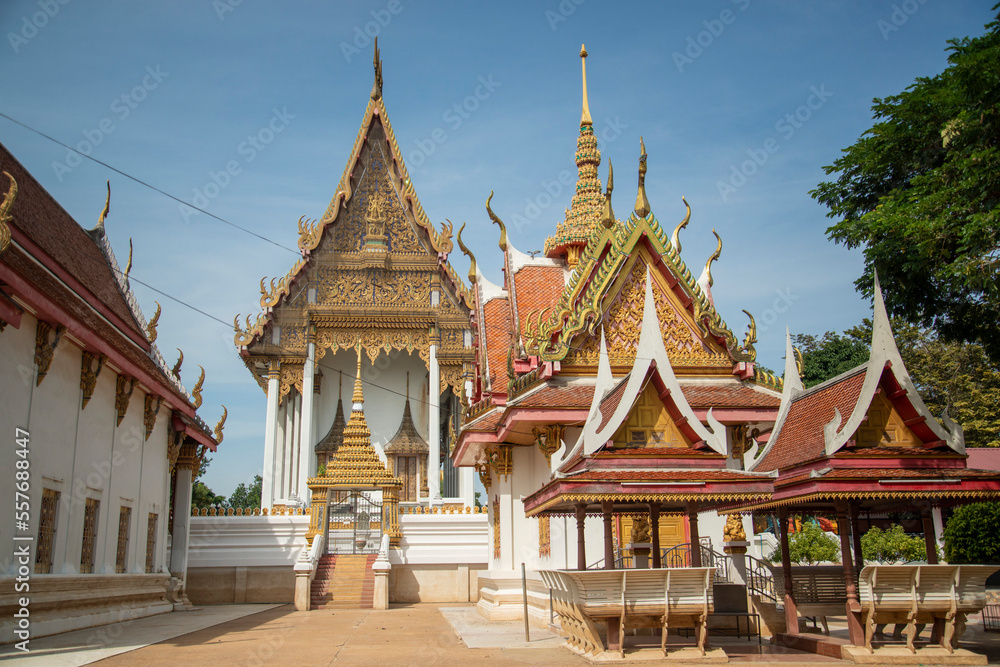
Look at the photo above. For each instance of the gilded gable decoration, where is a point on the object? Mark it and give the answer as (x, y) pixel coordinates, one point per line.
(124, 387)
(176, 370)
(151, 408)
(220, 425)
(5, 216)
(196, 392)
(548, 438)
(501, 460)
(496, 527)
(884, 427)
(89, 374)
(46, 340)
(544, 539)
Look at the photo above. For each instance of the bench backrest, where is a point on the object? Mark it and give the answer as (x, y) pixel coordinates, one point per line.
(927, 587)
(639, 591)
(813, 584)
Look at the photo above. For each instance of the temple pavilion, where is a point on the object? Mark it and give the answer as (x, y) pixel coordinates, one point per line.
(373, 287)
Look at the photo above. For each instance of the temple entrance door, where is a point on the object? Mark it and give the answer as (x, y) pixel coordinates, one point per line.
(673, 531)
(354, 524)
(406, 472)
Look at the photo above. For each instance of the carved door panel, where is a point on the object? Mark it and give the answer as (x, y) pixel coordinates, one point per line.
(673, 531)
(406, 472)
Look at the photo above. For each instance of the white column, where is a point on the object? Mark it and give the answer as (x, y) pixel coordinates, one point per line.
(267, 496)
(307, 453)
(182, 521)
(434, 430)
(293, 446)
(467, 486)
(938, 520)
(278, 490)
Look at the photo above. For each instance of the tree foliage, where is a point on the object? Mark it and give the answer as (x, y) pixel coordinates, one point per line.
(956, 376)
(245, 496)
(810, 546)
(919, 191)
(972, 534)
(202, 496)
(892, 546)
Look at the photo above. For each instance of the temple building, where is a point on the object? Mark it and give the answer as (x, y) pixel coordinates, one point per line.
(606, 353)
(374, 281)
(102, 433)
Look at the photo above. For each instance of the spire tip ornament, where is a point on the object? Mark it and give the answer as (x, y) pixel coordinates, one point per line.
(608, 219)
(715, 255)
(5, 216)
(472, 258)
(497, 220)
(585, 118)
(676, 239)
(641, 202)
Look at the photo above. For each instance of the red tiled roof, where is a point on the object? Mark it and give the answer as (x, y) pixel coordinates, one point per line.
(537, 287)
(730, 395)
(559, 397)
(486, 424)
(894, 473)
(801, 435)
(47, 224)
(610, 402)
(665, 475)
(496, 321)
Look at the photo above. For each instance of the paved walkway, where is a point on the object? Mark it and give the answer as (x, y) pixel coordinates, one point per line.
(421, 634)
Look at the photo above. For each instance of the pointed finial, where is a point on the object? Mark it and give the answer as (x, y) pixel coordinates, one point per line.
(407, 386)
(472, 258)
(176, 370)
(676, 240)
(377, 63)
(221, 425)
(608, 218)
(495, 219)
(5, 216)
(128, 265)
(359, 396)
(793, 373)
(98, 231)
(151, 327)
(585, 118)
(196, 392)
(340, 385)
(715, 255)
(641, 203)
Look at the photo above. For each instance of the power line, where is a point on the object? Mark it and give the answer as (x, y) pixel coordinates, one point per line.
(151, 187)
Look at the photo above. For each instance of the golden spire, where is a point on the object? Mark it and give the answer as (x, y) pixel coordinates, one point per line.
(641, 203)
(359, 395)
(472, 258)
(587, 206)
(676, 240)
(585, 118)
(128, 265)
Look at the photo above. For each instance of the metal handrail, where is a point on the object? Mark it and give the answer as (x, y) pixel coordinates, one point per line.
(760, 579)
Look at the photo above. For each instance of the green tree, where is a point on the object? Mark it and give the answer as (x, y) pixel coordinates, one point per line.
(202, 496)
(830, 355)
(892, 546)
(245, 496)
(919, 191)
(810, 546)
(972, 534)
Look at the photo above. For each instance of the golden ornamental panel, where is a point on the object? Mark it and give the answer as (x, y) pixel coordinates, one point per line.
(374, 341)
(291, 376)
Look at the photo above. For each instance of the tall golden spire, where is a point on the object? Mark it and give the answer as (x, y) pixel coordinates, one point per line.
(359, 396)
(585, 118)
(641, 202)
(584, 213)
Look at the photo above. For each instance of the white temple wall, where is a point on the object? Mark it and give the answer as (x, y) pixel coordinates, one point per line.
(249, 559)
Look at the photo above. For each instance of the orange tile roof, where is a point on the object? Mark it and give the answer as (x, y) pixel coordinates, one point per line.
(559, 397)
(666, 475)
(728, 396)
(801, 436)
(537, 287)
(496, 320)
(610, 402)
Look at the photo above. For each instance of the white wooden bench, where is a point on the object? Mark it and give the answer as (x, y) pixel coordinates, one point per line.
(913, 594)
(819, 590)
(672, 597)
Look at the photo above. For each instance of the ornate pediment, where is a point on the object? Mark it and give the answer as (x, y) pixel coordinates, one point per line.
(623, 322)
(884, 427)
(650, 425)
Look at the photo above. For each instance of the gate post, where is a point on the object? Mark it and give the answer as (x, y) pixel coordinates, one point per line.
(318, 514)
(390, 514)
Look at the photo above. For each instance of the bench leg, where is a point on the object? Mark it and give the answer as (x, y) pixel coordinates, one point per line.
(949, 632)
(870, 629)
(911, 634)
(621, 634)
(826, 626)
(701, 631)
(663, 636)
(614, 636)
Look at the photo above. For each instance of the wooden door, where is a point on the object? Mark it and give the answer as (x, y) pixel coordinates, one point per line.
(406, 472)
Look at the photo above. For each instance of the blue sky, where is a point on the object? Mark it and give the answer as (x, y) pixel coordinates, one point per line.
(171, 93)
